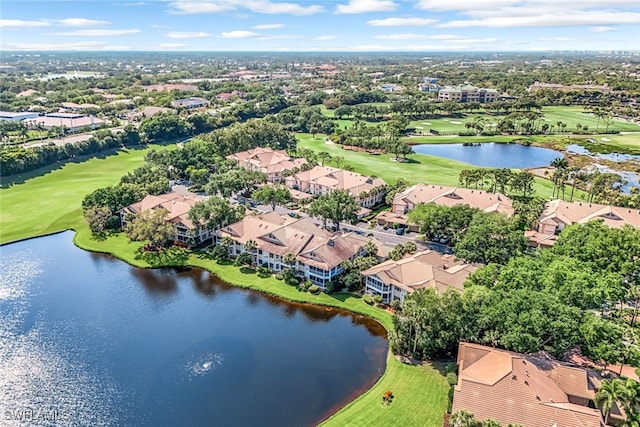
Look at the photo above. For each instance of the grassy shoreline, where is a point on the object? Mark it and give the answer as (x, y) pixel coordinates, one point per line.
(421, 391)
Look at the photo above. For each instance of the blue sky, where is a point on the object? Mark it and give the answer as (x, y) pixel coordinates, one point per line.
(324, 25)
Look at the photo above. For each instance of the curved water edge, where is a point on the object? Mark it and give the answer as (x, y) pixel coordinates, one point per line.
(492, 154)
(161, 292)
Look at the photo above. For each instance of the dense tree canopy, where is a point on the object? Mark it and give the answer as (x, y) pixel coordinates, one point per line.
(491, 238)
(336, 206)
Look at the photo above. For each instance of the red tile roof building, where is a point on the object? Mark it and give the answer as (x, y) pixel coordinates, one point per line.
(177, 207)
(559, 214)
(265, 160)
(318, 253)
(368, 191)
(532, 391)
(427, 269)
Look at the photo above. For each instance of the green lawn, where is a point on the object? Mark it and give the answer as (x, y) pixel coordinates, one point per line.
(571, 116)
(37, 205)
(420, 399)
(422, 168)
(574, 115)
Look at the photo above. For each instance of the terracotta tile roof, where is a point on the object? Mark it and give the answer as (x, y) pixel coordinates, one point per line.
(338, 179)
(266, 160)
(426, 269)
(537, 239)
(280, 235)
(176, 205)
(533, 391)
(450, 196)
(559, 211)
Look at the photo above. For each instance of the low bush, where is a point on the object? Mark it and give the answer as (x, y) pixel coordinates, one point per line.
(314, 289)
(330, 286)
(377, 299)
(279, 276)
(264, 272)
(452, 378)
(292, 281)
(367, 299)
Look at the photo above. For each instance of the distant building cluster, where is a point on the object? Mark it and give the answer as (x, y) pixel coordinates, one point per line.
(191, 103)
(467, 93)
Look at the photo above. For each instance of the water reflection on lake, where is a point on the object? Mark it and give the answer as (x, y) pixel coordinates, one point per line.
(98, 342)
(492, 154)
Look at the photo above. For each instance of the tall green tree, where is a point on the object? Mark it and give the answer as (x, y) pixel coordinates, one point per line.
(491, 238)
(336, 206)
(272, 195)
(214, 213)
(151, 226)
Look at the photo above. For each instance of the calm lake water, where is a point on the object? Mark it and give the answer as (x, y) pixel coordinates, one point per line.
(86, 339)
(492, 154)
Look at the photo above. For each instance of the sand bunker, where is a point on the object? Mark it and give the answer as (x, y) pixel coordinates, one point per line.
(427, 123)
(453, 122)
(605, 139)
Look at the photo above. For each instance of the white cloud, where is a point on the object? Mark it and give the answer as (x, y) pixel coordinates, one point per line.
(19, 23)
(268, 26)
(54, 46)
(240, 34)
(401, 36)
(471, 40)
(325, 38)
(279, 37)
(412, 48)
(187, 7)
(472, 5)
(402, 22)
(187, 35)
(447, 38)
(81, 22)
(494, 5)
(444, 37)
(556, 39)
(548, 19)
(163, 46)
(98, 33)
(602, 29)
(366, 6)
(195, 7)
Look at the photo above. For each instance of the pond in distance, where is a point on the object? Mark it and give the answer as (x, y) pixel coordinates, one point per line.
(491, 154)
(87, 339)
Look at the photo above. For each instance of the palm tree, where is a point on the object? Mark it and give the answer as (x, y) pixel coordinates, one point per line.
(611, 391)
(559, 163)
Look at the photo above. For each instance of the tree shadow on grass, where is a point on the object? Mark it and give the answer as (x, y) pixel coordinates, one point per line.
(247, 270)
(173, 256)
